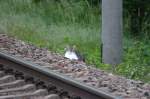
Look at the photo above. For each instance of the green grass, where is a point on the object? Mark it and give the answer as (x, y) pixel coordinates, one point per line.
(56, 24)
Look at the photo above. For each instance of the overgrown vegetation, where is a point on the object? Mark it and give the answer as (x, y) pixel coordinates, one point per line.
(56, 23)
(138, 13)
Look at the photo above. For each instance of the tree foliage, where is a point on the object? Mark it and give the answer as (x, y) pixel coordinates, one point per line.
(138, 11)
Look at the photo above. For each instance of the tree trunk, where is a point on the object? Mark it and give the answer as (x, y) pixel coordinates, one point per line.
(137, 15)
(112, 31)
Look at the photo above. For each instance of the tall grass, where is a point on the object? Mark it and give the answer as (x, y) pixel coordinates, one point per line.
(50, 21)
(54, 25)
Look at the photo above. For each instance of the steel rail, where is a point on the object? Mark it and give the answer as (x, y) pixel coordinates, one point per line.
(48, 76)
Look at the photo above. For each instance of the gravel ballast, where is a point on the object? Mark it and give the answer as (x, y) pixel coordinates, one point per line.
(117, 85)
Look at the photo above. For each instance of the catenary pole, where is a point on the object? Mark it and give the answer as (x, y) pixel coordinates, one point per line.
(112, 47)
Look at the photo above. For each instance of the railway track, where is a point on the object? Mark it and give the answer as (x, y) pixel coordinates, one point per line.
(20, 79)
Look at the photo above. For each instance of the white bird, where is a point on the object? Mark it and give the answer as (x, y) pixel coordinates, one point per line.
(72, 54)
